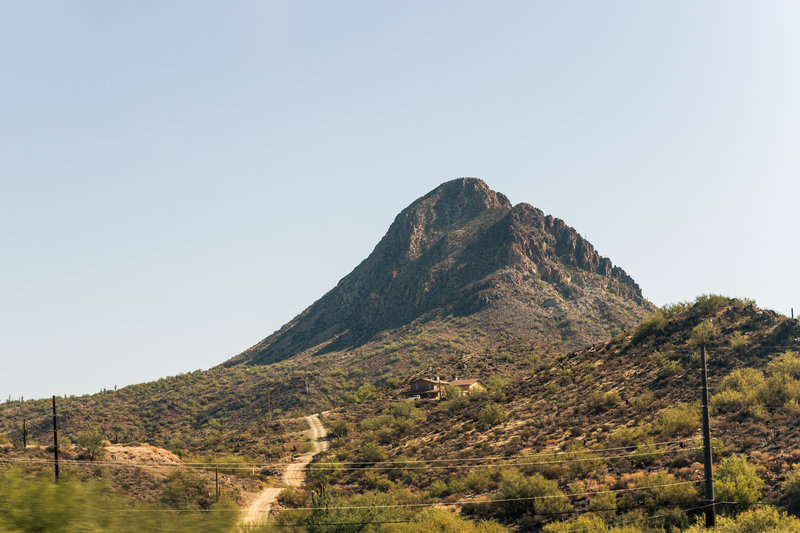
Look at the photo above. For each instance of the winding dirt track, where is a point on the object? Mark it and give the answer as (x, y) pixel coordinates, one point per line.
(294, 476)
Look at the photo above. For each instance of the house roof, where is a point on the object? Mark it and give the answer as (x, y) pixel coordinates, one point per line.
(460, 382)
(428, 380)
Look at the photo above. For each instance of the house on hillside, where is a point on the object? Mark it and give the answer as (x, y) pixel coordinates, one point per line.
(433, 388)
(469, 386)
(426, 388)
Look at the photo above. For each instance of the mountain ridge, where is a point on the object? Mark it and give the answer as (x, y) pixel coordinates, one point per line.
(462, 249)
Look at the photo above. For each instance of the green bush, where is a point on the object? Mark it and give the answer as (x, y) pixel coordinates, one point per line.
(339, 428)
(664, 492)
(541, 496)
(787, 363)
(707, 304)
(370, 452)
(680, 420)
(791, 487)
(582, 461)
(363, 512)
(320, 474)
(759, 520)
(443, 521)
(603, 401)
(738, 340)
(490, 415)
(604, 504)
(186, 490)
(736, 481)
(649, 326)
(703, 333)
(32, 504)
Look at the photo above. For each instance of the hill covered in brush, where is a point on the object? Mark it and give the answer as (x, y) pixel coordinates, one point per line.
(611, 431)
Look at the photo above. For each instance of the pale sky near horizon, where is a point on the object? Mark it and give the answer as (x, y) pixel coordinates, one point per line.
(179, 179)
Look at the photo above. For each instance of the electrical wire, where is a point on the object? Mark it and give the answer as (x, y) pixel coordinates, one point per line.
(388, 465)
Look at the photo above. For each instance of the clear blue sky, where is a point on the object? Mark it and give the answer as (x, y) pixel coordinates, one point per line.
(179, 179)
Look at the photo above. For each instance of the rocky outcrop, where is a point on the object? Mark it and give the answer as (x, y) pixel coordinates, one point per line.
(463, 249)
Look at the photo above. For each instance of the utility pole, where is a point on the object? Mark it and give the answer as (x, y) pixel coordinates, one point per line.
(708, 498)
(24, 434)
(55, 438)
(269, 405)
(216, 482)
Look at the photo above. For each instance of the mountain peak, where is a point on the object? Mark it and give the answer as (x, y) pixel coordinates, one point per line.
(447, 207)
(464, 250)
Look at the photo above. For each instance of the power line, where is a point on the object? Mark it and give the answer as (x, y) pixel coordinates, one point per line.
(388, 465)
(421, 504)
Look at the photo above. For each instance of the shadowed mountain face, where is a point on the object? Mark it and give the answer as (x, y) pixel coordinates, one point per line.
(464, 250)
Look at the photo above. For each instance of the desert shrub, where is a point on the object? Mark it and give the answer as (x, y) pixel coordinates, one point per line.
(186, 490)
(482, 479)
(490, 415)
(679, 420)
(451, 391)
(604, 504)
(646, 453)
(627, 437)
(365, 393)
(791, 487)
(498, 383)
(583, 461)
(325, 473)
(603, 401)
(664, 492)
(406, 469)
(643, 401)
(438, 489)
(780, 389)
(30, 504)
(740, 388)
(706, 304)
(339, 428)
(787, 363)
(671, 310)
(393, 382)
(292, 497)
(376, 422)
(588, 523)
(736, 481)
(759, 520)
(443, 521)
(738, 339)
(362, 512)
(703, 333)
(90, 445)
(370, 452)
(407, 410)
(543, 495)
(373, 481)
(649, 326)
(669, 368)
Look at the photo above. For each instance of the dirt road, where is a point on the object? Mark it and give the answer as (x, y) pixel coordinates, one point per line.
(294, 476)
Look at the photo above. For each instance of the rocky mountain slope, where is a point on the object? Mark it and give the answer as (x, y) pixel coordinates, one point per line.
(464, 250)
(600, 424)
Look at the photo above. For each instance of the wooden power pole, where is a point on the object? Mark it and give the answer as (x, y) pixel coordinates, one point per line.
(216, 483)
(55, 438)
(708, 497)
(24, 434)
